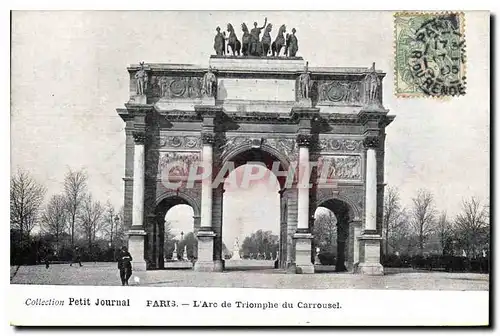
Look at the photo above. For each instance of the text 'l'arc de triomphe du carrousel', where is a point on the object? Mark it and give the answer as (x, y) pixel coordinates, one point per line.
(256, 101)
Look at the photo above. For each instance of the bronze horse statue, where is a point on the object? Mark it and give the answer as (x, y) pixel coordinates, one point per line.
(266, 40)
(279, 42)
(245, 40)
(233, 41)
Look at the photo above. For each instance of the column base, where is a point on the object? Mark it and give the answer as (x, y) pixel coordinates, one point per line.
(136, 248)
(138, 266)
(207, 266)
(206, 262)
(370, 269)
(370, 255)
(303, 253)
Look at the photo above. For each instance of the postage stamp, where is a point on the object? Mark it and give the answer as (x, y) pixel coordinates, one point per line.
(430, 58)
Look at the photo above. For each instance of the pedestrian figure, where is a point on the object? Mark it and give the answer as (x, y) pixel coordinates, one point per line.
(125, 265)
(76, 258)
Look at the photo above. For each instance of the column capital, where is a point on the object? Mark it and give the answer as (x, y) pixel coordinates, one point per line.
(371, 142)
(304, 140)
(207, 138)
(139, 137)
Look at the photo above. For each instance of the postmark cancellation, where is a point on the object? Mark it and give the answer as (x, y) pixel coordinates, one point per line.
(430, 58)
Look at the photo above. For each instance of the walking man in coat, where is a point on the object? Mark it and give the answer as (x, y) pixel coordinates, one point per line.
(125, 265)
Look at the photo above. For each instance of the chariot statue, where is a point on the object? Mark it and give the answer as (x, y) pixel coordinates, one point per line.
(255, 44)
(141, 80)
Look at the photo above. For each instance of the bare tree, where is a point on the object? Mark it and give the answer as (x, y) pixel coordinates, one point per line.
(91, 218)
(444, 230)
(472, 224)
(110, 221)
(400, 233)
(75, 186)
(54, 217)
(392, 214)
(325, 230)
(26, 197)
(423, 217)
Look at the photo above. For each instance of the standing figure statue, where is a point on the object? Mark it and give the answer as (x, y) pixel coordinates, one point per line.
(233, 41)
(141, 79)
(304, 83)
(255, 46)
(279, 42)
(292, 44)
(372, 84)
(209, 81)
(266, 40)
(219, 43)
(246, 40)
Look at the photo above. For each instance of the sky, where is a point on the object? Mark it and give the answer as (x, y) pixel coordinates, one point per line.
(68, 76)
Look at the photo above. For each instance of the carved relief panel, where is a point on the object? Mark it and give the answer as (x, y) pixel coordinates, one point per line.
(177, 164)
(340, 167)
(179, 142)
(340, 92)
(340, 145)
(169, 87)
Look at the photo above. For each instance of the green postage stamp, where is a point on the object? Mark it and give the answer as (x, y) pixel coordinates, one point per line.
(429, 54)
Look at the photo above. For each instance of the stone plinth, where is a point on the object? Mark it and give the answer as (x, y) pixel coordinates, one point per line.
(178, 265)
(136, 249)
(370, 255)
(205, 262)
(303, 253)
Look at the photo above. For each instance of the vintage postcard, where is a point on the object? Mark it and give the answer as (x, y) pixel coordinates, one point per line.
(235, 168)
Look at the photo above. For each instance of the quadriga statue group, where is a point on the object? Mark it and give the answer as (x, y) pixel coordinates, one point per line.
(252, 45)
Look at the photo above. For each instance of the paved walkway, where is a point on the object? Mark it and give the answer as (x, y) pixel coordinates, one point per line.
(94, 274)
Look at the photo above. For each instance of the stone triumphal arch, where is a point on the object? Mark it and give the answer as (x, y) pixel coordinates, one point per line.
(265, 109)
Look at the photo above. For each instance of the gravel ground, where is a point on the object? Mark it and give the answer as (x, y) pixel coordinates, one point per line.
(106, 274)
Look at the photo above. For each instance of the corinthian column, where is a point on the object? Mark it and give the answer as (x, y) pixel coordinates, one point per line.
(205, 262)
(371, 144)
(303, 236)
(370, 239)
(136, 234)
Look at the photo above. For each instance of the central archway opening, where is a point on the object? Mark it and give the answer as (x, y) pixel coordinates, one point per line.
(252, 225)
(174, 243)
(331, 232)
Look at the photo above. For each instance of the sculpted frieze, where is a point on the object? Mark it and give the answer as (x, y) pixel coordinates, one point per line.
(340, 167)
(180, 142)
(176, 87)
(340, 145)
(286, 146)
(341, 92)
(177, 164)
